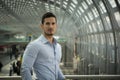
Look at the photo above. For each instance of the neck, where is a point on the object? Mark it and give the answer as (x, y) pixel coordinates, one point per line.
(49, 38)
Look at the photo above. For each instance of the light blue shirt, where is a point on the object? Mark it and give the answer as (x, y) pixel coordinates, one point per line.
(44, 58)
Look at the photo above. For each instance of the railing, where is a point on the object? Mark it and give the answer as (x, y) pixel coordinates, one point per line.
(117, 77)
(97, 77)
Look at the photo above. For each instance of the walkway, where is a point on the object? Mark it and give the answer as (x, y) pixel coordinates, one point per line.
(5, 59)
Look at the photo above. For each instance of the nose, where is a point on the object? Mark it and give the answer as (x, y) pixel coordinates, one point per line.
(51, 25)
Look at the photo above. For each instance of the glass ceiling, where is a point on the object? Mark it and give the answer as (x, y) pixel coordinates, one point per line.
(23, 16)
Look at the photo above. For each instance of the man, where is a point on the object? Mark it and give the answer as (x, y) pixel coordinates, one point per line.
(44, 53)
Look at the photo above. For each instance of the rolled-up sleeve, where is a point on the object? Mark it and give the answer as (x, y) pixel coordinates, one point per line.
(29, 57)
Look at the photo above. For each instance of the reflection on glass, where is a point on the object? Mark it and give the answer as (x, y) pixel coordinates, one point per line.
(117, 17)
(102, 7)
(112, 2)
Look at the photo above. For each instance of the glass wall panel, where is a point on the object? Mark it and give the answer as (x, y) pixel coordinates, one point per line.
(112, 2)
(102, 7)
(94, 27)
(83, 19)
(111, 41)
(102, 39)
(81, 9)
(73, 5)
(119, 1)
(90, 27)
(79, 12)
(90, 15)
(89, 2)
(65, 4)
(84, 5)
(71, 8)
(75, 1)
(108, 23)
(117, 17)
(95, 12)
(100, 26)
(86, 18)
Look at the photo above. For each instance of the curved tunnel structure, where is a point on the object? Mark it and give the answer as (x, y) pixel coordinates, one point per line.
(89, 30)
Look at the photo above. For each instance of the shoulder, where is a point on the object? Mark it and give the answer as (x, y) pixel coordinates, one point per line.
(58, 45)
(34, 43)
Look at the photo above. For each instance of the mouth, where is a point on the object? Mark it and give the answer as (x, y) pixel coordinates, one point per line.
(50, 30)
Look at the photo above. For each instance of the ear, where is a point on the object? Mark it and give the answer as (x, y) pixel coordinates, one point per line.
(41, 26)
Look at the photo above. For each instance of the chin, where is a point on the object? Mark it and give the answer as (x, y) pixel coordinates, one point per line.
(49, 34)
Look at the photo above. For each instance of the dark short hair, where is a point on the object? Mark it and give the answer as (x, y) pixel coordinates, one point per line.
(47, 15)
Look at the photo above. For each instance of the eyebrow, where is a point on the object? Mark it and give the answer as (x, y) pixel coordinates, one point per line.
(49, 22)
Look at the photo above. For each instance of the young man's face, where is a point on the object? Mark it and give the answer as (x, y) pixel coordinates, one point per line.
(49, 26)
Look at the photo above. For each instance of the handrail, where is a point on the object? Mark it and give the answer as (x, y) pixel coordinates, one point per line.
(10, 78)
(92, 76)
(70, 77)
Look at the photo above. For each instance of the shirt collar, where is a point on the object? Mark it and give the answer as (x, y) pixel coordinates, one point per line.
(44, 40)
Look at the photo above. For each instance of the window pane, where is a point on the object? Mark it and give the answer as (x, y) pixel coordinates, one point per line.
(71, 8)
(86, 18)
(102, 7)
(95, 12)
(117, 16)
(90, 15)
(119, 1)
(94, 27)
(112, 2)
(84, 5)
(73, 5)
(70, 11)
(90, 27)
(81, 9)
(100, 26)
(65, 4)
(111, 39)
(79, 12)
(89, 2)
(102, 39)
(58, 2)
(75, 1)
(108, 23)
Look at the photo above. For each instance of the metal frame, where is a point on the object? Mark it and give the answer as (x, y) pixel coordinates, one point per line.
(69, 77)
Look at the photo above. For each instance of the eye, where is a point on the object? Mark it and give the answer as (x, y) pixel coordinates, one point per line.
(47, 23)
(53, 23)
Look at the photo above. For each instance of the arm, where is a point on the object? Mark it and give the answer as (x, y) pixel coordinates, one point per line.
(60, 74)
(29, 57)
